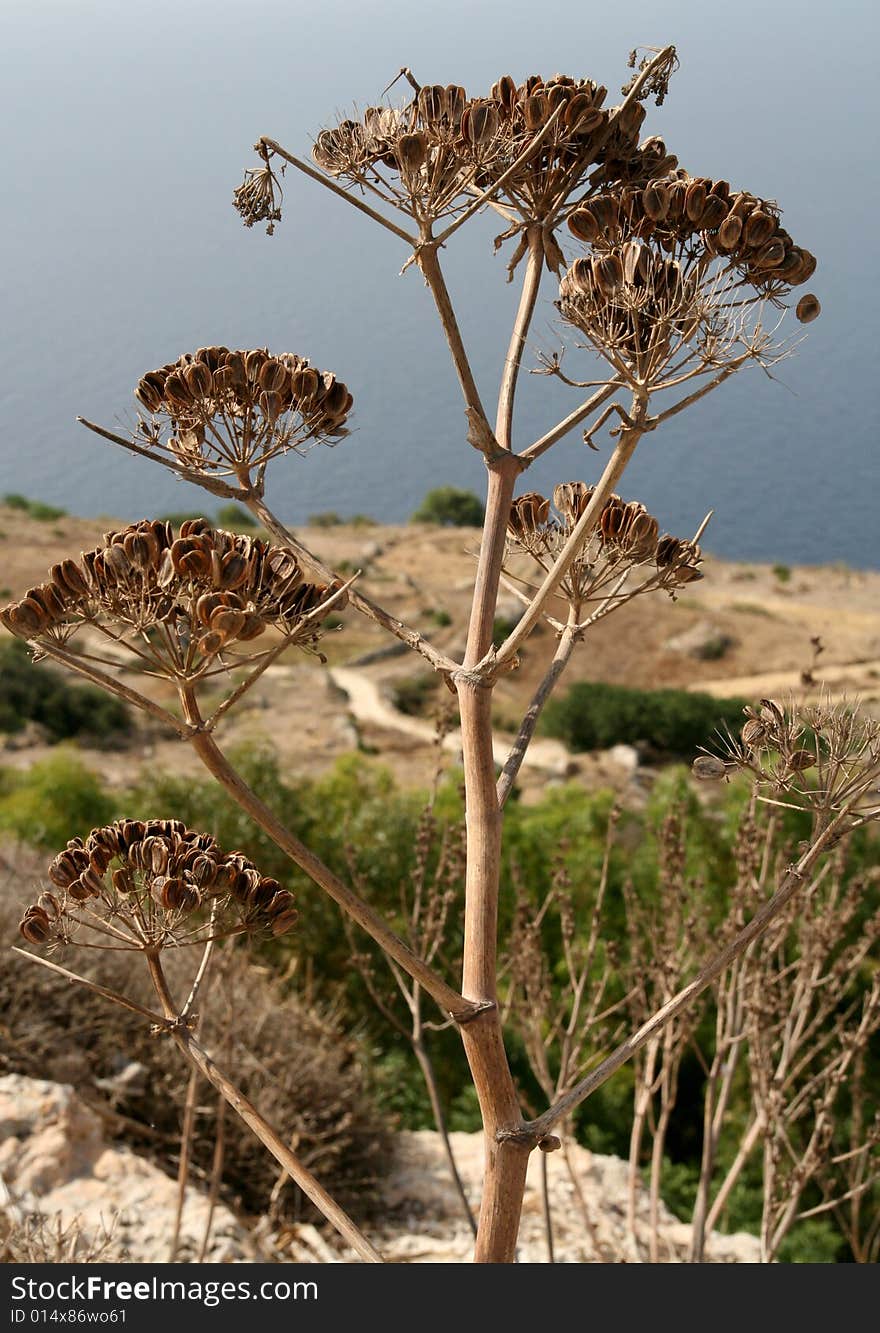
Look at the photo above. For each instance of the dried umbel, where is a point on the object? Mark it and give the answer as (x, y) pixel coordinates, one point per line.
(625, 538)
(176, 600)
(820, 757)
(583, 137)
(634, 304)
(697, 219)
(147, 885)
(675, 268)
(421, 157)
(429, 157)
(227, 412)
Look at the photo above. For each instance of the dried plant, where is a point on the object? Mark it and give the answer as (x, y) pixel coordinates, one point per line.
(671, 295)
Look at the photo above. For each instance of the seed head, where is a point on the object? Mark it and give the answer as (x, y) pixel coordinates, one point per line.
(150, 884)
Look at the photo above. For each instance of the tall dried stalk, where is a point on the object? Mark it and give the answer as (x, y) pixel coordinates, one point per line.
(669, 294)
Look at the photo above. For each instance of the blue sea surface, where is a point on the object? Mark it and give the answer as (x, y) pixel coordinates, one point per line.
(126, 127)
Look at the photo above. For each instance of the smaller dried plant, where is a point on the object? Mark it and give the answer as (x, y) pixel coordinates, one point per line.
(820, 757)
(149, 885)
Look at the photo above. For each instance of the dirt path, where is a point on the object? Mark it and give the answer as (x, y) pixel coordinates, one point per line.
(852, 677)
(367, 704)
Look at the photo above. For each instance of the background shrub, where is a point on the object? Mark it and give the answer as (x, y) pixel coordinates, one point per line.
(594, 716)
(47, 697)
(451, 507)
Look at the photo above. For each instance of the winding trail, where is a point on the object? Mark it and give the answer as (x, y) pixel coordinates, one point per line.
(367, 704)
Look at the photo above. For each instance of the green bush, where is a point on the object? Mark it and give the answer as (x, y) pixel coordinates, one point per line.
(58, 798)
(234, 517)
(34, 508)
(46, 697)
(450, 508)
(595, 716)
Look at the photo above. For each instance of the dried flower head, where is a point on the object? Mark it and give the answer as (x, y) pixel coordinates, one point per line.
(258, 198)
(147, 885)
(625, 538)
(670, 265)
(225, 412)
(177, 602)
(822, 756)
(429, 157)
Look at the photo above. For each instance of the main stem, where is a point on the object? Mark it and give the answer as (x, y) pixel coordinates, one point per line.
(505, 1161)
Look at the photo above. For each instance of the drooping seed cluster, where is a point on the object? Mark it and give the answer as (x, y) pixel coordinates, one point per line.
(232, 410)
(624, 537)
(689, 217)
(258, 198)
(153, 883)
(430, 152)
(204, 588)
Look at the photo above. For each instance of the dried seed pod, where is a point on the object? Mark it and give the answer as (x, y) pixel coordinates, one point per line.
(695, 200)
(757, 229)
(199, 380)
(708, 768)
(608, 273)
(729, 233)
(35, 926)
(571, 499)
(272, 376)
(227, 622)
(611, 518)
(123, 881)
(799, 760)
(211, 643)
(584, 225)
(149, 394)
(714, 212)
(771, 256)
(655, 201)
(754, 734)
(808, 308)
(528, 513)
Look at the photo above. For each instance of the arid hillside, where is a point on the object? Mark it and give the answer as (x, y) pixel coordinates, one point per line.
(744, 630)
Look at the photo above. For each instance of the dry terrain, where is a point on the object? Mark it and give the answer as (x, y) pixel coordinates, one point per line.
(746, 629)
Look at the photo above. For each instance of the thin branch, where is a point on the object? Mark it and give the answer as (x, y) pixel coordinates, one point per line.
(217, 764)
(513, 360)
(573, 419)
(272, 147)
(480, 433)
(76, 980)
(133, 697)
(358, 600)
(514, 760)
(196, 1054)
(213, 484)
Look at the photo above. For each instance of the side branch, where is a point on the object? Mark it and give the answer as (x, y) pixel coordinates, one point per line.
(359, 600)
(271, 146)
(513, 361)
(568, 423)
(451, 1001)
(212, 484)
(760, 921)
(561, 657)
(480, 433)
